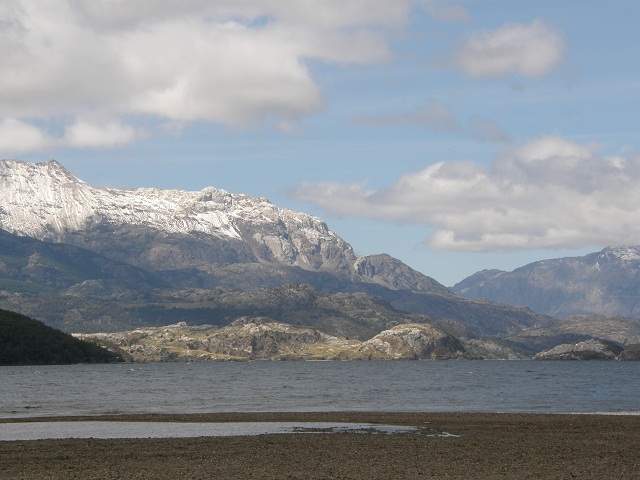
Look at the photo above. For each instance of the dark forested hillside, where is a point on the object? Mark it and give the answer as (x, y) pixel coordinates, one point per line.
(24, 341)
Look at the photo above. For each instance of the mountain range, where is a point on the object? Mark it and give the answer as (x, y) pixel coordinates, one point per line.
(92, 259)
(601, 283)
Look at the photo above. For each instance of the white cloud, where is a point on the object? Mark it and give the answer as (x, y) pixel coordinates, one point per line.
(99, 134)
(513, 49)
(550, 192)
(17, 136)
(232, 62)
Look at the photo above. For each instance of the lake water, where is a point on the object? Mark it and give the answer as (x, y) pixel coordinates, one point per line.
(425, 386)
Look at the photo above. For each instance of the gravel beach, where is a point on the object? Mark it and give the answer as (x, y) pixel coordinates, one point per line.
(488, 446)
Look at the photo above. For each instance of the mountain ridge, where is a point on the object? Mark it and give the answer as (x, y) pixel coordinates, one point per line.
(184, 229)
(600, 283)
(209, 257)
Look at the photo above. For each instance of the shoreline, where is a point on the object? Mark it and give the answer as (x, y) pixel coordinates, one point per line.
(407, 417)
(413, 418)
(490, 445)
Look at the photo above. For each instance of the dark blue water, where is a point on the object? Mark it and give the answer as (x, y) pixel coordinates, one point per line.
(430, 386)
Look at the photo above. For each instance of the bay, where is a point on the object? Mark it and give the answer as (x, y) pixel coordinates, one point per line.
(403, 386)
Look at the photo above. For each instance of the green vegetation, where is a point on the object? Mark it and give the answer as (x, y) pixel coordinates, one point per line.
(24, 341)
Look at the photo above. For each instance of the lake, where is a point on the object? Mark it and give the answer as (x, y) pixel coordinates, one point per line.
(403, 386)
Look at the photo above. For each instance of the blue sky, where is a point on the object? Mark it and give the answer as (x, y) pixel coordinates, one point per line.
(455, 136)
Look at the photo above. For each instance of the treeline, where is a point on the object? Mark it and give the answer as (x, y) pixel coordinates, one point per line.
(24, 341)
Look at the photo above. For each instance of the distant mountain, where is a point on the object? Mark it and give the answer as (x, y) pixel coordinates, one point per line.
(602, 283)
(79, 291)
(187, 234)
(24, 341)
(89, 259)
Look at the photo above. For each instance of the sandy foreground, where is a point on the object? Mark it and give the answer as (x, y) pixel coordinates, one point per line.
(490, 446)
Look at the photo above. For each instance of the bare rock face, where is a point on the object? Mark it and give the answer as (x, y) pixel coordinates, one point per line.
(586, 350)
(413, 341)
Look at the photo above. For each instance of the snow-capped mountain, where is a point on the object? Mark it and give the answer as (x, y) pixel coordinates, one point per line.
(175, 229)
(605, 283)
(46, 202)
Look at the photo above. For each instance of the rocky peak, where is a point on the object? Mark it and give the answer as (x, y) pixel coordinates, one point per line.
(47, 202)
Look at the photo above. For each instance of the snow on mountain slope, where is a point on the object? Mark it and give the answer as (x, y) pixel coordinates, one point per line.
(45, 201)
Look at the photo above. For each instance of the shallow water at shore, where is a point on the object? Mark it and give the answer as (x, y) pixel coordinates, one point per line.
(487, 446)
(132, 429)
(430, 386)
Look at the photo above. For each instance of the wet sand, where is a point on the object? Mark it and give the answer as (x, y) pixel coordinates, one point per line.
(490, 446)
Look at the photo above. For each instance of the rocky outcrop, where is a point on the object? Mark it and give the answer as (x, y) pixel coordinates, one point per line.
(263, 339)
(586, 350)
(413, 341)
(487, 348)
(244, 339)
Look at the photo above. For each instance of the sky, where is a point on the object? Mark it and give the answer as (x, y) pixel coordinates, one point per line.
(455, 136)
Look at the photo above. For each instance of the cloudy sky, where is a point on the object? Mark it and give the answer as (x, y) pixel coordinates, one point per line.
(455, 136)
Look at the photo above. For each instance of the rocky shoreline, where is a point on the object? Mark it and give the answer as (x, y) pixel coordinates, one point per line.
(489, 446)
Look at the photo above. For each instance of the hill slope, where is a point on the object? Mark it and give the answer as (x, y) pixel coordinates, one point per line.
(24, 341)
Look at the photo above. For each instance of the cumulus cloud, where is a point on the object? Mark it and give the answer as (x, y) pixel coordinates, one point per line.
(99, 134)
(232, 62)
(513, 49)
(549, 192)
(18, 136)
